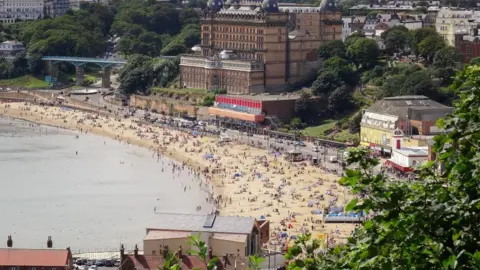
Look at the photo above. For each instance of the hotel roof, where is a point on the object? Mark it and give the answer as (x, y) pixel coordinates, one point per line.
(195, 223)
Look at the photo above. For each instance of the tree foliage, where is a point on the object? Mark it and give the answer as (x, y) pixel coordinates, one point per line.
(144, 27)
(76, 33)
(363, 52)
(431, 223)
(143, 72)
(396, 38)
(447, 57)
(331, 49)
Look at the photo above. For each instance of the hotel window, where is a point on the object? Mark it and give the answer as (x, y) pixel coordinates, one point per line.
(469, 52)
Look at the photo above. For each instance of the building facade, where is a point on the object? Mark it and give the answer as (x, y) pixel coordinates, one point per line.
(240, 236)
(11, 48)
(468, 45)
(255, 47)
(453, 21)
(54, 8)
(413, 115)
(23, 10)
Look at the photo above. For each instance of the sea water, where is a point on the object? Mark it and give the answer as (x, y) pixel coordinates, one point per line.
(89, 193)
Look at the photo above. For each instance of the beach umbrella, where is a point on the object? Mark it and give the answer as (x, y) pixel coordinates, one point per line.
(262, 217)
(293, 237)
(317, 212)
(283, 234)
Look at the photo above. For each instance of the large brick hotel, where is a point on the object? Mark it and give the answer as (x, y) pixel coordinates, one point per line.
(251, 46)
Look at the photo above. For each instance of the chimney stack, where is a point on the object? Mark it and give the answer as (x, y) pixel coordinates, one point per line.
(180, 252)
(135, 251)
(210, 253)
(122, 251)
(165, 251)
(49, 242)
(224, 260)
(9, 241)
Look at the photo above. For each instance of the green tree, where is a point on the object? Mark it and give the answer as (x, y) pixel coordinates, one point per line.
(363, 52)
(331, 49)
(143, 72)
(353, 37)
(430, 45)
(418, 35)
(339, 101)
(304, 253)
(431, 223)
(296, 123)
(447, 57)
(304, 108)
(343, 68)
(326, 82)
(475, 61)
(396, 40)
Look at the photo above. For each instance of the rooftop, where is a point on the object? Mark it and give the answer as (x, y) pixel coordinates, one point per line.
(196, 223)
(33, 257)
(144, 262)
(413, 151)
(400, 105)
(266, 97)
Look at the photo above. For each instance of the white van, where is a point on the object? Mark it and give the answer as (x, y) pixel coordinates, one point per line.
(225, 139)
(333, 159)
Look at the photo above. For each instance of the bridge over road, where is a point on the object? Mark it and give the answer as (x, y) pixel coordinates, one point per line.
(79, 63)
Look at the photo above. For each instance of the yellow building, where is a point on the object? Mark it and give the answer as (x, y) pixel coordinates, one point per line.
(451, 21)
(414, 115)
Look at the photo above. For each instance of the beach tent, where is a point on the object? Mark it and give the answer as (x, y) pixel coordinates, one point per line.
(208, 156)
(262, 217)
(317, 212)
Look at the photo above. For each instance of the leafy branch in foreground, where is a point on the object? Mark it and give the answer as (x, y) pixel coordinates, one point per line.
(433, 223)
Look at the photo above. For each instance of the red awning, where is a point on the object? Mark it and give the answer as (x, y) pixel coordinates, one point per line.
(398, 167)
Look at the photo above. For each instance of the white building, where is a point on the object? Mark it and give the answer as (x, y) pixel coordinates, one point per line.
(450, 21)
(12, 10)
(403, 158)
(75, 4)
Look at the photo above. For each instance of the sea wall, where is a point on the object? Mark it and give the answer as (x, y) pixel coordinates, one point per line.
(164, 106)
(16, 96)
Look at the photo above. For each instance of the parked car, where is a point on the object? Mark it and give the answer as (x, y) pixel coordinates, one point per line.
(117, 263)
(299, 143)
(100, 262)
(92, 267)
(109, 263)
(315, 148)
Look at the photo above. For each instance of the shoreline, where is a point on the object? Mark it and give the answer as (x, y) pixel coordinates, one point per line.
(225, 174)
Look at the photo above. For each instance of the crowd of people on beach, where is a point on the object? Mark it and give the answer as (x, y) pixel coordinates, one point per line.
(239, 179)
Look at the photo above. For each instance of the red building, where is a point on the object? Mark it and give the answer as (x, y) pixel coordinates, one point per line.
(253, 110)
(469, 46)
(35, 259)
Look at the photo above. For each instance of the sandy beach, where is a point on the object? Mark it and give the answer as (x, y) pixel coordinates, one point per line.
(243, 180)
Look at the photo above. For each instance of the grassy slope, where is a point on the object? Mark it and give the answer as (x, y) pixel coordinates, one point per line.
(27, 81)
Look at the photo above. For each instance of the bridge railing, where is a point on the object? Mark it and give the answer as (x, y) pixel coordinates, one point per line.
(86, 59)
